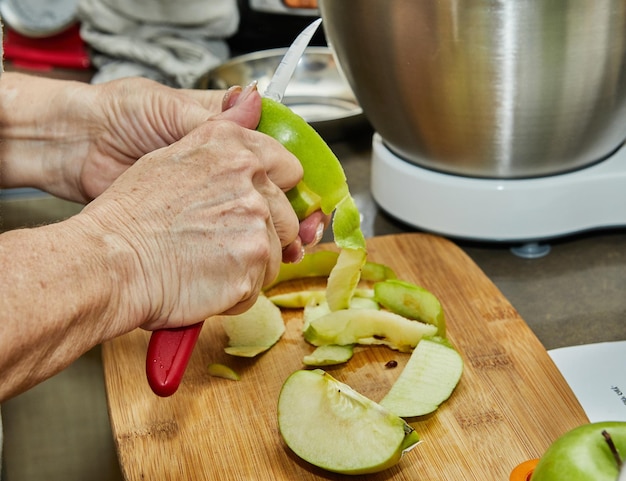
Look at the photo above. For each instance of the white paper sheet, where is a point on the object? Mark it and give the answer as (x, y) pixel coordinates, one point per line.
(596, 374)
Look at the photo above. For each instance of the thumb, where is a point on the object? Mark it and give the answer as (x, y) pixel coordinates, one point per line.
(242, 106)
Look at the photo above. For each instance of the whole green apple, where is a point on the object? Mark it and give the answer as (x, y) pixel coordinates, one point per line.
(591, 452)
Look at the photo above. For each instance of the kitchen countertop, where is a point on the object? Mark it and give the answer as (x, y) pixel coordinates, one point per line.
(574, 295)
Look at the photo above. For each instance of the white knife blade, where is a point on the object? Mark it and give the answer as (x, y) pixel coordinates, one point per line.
(277, 86)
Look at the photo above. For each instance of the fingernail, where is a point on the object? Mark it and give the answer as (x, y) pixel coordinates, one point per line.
(300, 255)
(247, 91)
(319, 233)
(232, 93)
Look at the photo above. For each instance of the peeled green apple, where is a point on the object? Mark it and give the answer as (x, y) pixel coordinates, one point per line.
(324, 187)
(330, 425)
(323, 184)
(584, 454)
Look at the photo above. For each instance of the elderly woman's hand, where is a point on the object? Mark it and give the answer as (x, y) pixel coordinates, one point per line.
(201, 223)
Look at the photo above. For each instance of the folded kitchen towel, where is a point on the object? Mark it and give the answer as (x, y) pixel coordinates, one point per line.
(174, 43)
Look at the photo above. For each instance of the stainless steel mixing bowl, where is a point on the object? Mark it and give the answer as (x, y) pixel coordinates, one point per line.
(487, 88)
(317, 91)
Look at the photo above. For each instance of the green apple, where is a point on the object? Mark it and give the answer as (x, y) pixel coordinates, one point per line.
(584, 454)
(428, 379)
(411, 301)
(323, 185)
(330, 425)
(255, 330)
(363, 326)
(329, 355)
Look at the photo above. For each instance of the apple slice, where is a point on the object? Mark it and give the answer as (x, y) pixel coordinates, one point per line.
(363, 326)
(411, 301)
(220, 370)
(255, 330)
(428, 379)
(329, 355)
(330, 425)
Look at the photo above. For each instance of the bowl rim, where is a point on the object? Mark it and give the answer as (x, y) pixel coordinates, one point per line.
(353, 114)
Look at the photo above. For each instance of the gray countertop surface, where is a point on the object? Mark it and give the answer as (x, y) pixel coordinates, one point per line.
(574, 295)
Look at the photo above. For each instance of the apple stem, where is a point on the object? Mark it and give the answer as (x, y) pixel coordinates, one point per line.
(613, 448)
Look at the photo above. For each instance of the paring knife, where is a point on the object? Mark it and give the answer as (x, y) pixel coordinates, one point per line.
(169, 350)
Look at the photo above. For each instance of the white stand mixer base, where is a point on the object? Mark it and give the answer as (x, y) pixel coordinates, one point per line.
(515, 210)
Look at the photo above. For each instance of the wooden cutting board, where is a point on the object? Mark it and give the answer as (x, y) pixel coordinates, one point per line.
(510, 405)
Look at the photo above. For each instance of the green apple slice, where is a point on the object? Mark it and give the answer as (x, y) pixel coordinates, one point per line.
(329, 355)
(330, 425)
(363, 326)
(412, 302)
(225, 372)
(428, 379)
(255, 330)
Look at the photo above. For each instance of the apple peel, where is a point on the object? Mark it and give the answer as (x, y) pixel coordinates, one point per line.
(223, 371)
(363, 326)
(329, 355)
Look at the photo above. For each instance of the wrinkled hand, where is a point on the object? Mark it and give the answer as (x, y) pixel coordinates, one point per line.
(204, 220)
(312, 228)
(127, 119)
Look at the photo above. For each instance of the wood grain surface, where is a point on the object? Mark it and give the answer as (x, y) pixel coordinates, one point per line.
(510, 404)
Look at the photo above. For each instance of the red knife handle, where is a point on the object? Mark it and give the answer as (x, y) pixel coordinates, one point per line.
(168, 354)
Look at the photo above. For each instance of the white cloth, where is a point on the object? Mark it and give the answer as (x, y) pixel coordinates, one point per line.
(174, 43)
